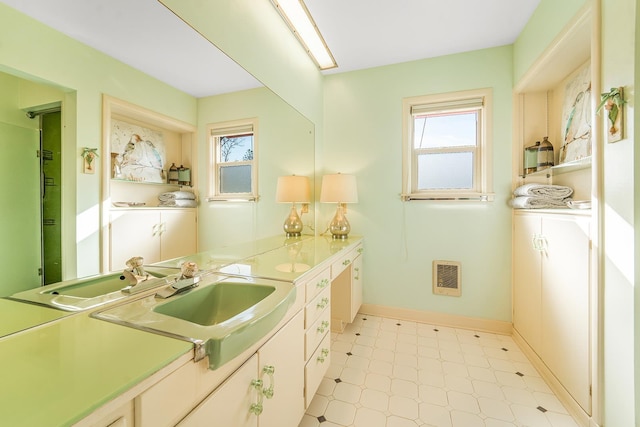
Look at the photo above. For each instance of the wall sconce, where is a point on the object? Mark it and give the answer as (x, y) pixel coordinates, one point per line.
(293, 189)
(341, 189)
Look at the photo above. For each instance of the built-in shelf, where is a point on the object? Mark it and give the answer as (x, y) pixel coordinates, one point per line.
(149, 183)
(566, 167)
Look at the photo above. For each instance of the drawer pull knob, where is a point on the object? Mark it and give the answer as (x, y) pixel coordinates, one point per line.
(323, 355)
(357, 275)
(322, 283)
(323, 327)
(269, 370)
(360, 250)
(346, 262)
(256, 408)
(323, 303)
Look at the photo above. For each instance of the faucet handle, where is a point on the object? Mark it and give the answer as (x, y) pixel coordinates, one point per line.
(189, 269)
(135, 264)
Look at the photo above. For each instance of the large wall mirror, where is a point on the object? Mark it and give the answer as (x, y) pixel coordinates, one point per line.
(49, 81)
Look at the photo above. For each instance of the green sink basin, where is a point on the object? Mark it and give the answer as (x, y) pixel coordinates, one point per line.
(215, 304)
(222, 317)
(83, 294)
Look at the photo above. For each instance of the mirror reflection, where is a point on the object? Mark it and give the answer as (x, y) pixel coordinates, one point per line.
(56, 221)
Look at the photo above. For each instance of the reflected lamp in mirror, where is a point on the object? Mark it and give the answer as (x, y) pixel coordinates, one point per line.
(293, 189)
(341, 189)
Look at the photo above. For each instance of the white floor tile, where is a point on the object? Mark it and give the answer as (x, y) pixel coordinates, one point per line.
(465, 419)
(366, 417)
(403, 407)
(374, 399)
(347, 392)
(394, 373)
(340, 413)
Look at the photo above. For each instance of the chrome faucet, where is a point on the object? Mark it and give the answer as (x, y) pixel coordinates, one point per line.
(134, 273)
(188, 279)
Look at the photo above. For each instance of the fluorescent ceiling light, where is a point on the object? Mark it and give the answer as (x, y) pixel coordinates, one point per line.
(297, 16)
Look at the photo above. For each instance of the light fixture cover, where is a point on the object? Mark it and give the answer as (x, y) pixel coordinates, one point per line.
(301, 23)
(293, 188)
(339, 188)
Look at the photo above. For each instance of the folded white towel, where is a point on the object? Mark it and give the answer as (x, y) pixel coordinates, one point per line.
(542, 190)
(179, 203)
(532, 202)
(176, 195)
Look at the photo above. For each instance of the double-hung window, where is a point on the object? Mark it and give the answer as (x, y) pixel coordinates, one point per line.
(232, 172)
(447, 146)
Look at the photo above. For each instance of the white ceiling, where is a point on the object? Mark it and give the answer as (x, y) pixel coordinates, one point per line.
(360, 33)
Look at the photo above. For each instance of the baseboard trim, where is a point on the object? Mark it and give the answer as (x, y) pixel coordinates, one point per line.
(563, 395)
(442, 319)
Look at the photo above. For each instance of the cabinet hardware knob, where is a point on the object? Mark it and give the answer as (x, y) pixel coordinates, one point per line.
(323, 303)
(323, 355)
(346, 262)
(360, 250)
(256, 409)
(323, 327)
(269, 391)
(321, 284)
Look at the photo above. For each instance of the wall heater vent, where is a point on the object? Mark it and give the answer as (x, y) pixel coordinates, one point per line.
(446, 278)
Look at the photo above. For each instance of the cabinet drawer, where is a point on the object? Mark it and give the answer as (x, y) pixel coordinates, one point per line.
(316, 307)
(317, 284)
(344, 261)
(316, 332)
(315, 369)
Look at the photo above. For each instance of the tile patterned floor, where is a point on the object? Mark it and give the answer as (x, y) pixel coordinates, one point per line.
(392, 373)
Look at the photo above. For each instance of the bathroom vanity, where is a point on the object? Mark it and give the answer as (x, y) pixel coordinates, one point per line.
(85, 371)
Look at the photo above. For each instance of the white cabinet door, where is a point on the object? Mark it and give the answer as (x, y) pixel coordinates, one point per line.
(565, 304)
(178, 233)
(134, 234)
(356, 286)
(155, 235)
(527, 271)
(230, 404)
(284, 352)
(346, 291)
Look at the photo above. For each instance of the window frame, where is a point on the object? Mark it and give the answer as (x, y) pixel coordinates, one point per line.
(215, 131)
(452, 102)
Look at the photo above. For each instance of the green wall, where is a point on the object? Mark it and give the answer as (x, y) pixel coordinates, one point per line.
(363, 136)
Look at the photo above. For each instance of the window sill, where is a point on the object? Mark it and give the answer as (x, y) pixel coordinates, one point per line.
(449, 197)
(233, 199)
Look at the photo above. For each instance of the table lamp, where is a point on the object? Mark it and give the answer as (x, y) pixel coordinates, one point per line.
(341, 189)
(293, 189)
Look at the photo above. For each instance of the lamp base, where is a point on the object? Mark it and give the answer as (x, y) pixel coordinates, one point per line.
(293, 224)
(339, 226)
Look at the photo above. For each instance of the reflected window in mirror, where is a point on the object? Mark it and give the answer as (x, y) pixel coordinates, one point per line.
(232, 172)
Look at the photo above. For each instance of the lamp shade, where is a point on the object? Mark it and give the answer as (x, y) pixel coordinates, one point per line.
(339, 188)
(292, 189)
